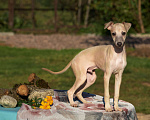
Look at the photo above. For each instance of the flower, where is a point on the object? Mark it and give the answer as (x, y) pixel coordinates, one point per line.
(33, 107)
(45, 104)
(49, 100)
(34, 104)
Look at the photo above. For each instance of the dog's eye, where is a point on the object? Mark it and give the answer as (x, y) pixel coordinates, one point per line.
(123, 33)
(114, 34)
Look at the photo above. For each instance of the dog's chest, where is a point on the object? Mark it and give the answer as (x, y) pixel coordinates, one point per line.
(118, 64)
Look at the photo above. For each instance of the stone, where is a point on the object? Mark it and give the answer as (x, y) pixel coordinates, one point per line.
(61, 109)
(41, 93)
(8, 101)
(6, 34)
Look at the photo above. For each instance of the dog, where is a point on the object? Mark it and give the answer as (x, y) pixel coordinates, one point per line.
(109, 58)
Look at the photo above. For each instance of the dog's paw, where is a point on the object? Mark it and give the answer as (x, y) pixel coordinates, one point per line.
(117, 109)
(109, 109)
(74, 105)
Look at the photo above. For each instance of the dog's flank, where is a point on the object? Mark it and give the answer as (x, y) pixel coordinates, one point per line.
(109, 58)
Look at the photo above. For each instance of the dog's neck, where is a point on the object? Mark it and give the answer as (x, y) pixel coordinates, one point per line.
(119, 50)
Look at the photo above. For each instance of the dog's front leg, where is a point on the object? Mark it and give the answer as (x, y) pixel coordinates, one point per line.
(118, 78)
(106, 92)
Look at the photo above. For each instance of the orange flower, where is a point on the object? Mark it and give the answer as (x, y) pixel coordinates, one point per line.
(34, 104)
(49, 100)
(45, 105)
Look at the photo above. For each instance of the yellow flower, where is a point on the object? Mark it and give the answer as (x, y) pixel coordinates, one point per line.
(49, 100)
(45, 105)
(45, 100)
(49, 97)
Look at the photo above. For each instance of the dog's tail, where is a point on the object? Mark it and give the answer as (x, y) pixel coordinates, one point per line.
(66, 68)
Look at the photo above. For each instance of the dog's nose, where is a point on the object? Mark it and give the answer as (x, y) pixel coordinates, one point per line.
(119, 44)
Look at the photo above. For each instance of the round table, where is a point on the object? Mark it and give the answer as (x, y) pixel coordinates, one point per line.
(61, 109)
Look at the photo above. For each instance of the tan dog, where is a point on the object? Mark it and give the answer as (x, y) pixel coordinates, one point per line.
(109, 58)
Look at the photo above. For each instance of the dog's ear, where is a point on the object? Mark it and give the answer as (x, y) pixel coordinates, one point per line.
(127, 26)
(109, 25)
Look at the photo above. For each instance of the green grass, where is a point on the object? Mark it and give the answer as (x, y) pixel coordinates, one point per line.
(17, 64)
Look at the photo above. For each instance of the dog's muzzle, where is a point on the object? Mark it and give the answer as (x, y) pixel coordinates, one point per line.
(119, 44)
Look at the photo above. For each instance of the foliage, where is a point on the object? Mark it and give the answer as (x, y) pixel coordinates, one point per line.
(33, 103)
(117, 11)
(4, 21)
(17, 64)
(100, 13)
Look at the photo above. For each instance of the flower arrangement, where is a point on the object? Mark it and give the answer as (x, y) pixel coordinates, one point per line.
(39, 103)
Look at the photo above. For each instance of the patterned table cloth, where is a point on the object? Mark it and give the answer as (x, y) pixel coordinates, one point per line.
(61, 109)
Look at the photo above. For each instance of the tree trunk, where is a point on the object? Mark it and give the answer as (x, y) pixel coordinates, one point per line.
(87, 14)
(140, 17)
(79, 11)
(33, 14)
(11, 13)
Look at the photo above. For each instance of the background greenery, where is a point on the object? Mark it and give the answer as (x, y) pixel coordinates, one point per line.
(17, 64)
(101, 11)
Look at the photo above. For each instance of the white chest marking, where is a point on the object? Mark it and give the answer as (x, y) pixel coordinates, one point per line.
(118, 64)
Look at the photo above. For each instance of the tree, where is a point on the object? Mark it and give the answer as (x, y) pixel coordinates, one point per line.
(87, 14)
(11, 13)
(140, 17)
(79, 11)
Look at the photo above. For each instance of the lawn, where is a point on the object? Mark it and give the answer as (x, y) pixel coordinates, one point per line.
(16, 64)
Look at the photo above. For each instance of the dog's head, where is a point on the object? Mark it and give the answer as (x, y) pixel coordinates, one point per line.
(118, 32)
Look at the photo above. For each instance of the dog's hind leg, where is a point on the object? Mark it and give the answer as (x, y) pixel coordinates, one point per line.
(91, 77)
(79, 81)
